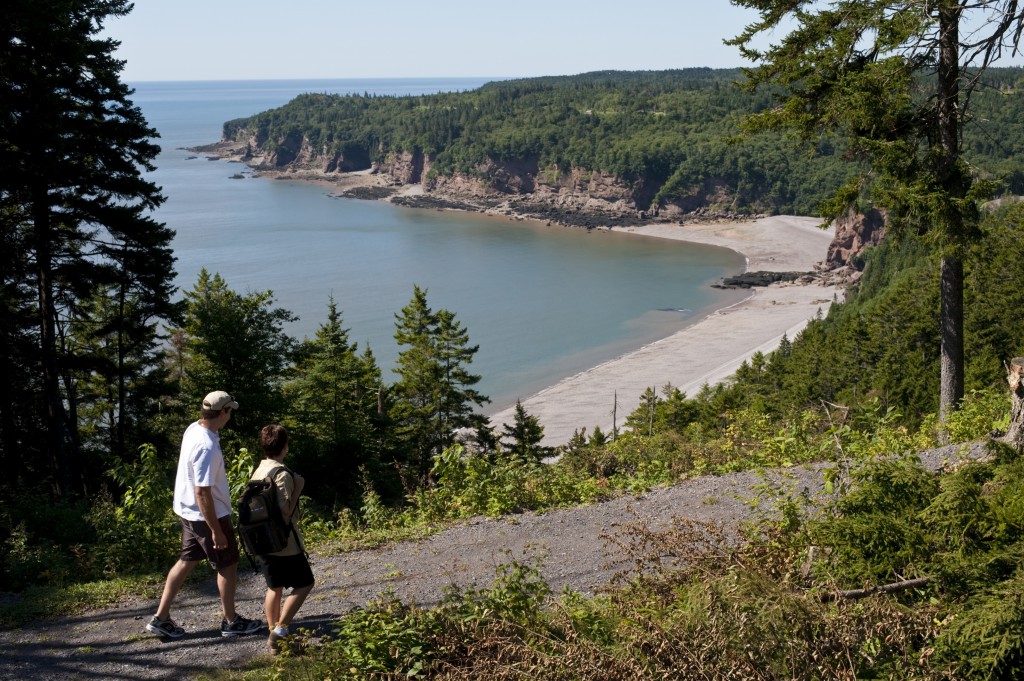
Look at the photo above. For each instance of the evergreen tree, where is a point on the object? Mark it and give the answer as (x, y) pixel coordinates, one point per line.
(523, 437)
(236, 343)
(434, 393)
(641, 420)
(896, 78)
(121, 378)
(75, 221)
(418, 390)
(459, 397)
(334, 409)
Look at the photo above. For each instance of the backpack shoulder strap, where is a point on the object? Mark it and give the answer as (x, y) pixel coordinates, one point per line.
(291, 526)
(272, 474)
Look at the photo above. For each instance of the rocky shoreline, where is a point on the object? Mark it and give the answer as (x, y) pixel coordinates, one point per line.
(578, 211)
(588, 211)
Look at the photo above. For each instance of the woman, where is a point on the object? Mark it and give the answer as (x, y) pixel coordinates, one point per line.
(289, 567)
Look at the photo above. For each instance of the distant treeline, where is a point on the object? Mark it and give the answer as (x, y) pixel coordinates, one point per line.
(673, 136)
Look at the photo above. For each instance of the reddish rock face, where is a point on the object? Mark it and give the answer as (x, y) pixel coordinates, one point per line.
(405, 167)
(854, 233)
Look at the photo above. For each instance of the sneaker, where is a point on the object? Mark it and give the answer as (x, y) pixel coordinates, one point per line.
(165, 627)
(274, 640)
(240, 626)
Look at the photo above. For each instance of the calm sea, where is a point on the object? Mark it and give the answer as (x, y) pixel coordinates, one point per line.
(542, 302)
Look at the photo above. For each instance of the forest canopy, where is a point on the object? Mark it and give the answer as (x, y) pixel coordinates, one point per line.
(672, 136)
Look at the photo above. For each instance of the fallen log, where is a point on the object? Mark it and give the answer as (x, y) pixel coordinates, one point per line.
(851, 594)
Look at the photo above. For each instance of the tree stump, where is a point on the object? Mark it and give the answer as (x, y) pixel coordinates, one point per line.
(1015, 377)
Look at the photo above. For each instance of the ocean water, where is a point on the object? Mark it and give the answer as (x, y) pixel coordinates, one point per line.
(541, 302)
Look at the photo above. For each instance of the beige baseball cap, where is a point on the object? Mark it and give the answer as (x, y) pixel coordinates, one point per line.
(218, 400)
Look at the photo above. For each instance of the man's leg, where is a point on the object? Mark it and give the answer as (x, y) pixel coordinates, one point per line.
(227, 581)
(175, 579)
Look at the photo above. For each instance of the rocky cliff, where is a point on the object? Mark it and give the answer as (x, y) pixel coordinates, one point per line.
(547, 190)
(522, 187)
(854, 232)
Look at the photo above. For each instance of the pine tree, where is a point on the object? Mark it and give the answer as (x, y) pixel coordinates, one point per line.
(236, 343)
(74, 218)
(523, 437)
(333, 406)
(120, 376)
(434, 396)
(459, 397)
(896, 79)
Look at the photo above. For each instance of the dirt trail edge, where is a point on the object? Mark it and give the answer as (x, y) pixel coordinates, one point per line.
(113, 644)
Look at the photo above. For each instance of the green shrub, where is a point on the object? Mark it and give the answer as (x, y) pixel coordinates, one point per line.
(985, 638)
(29, 560)
(140, 533)
(874, 531)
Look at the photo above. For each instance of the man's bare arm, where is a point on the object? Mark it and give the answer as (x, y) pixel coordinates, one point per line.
(204, 497)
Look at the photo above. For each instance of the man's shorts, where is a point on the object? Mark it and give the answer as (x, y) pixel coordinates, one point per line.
(287, 571)
(197, 543)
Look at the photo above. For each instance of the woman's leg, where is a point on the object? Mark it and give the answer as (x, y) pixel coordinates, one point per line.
(292, 604)
(272, 605)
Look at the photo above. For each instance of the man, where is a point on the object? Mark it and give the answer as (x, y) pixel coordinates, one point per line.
(202, 501)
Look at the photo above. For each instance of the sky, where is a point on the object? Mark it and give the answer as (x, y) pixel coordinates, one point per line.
(305, 39)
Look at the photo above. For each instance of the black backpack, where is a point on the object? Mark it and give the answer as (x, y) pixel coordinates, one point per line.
(261, 527)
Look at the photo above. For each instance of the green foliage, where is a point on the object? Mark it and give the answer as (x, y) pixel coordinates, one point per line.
(986, 640)
(466, 486)
(87, 274)
(524, 435)
(434, 395)
(385, 637)
(236, 343)
(517, 596)
(239, 468)
(29, 560)
(141, 532)
(875, 530)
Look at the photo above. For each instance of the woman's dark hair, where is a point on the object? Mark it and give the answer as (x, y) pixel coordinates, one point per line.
(273, 440)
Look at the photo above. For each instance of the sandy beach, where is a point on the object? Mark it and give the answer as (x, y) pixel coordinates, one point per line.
(709, 350)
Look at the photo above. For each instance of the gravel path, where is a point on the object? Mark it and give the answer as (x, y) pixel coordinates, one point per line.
(113, 644)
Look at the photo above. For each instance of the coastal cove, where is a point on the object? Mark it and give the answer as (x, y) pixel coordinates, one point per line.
(543, 302)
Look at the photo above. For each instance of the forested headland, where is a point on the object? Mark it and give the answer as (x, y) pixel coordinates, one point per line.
(615, 144)
(900, 574)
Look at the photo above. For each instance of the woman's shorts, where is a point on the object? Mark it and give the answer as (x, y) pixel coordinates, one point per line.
(287, 571)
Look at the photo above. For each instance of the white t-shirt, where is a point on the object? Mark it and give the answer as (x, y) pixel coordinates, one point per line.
(200, 464)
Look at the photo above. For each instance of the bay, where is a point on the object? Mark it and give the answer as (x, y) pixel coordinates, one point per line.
(542, 302)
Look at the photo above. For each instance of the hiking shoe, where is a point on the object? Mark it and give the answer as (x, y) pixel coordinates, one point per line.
(274, 640)
(240, 626)
(165, 627)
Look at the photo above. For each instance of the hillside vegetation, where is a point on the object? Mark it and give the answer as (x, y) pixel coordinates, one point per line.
(102, 369)
(670, 139)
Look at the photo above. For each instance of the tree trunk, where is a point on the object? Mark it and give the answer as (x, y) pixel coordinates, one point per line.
(1015, 376)
(952, 320)
(56, 416)
(952, 275)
